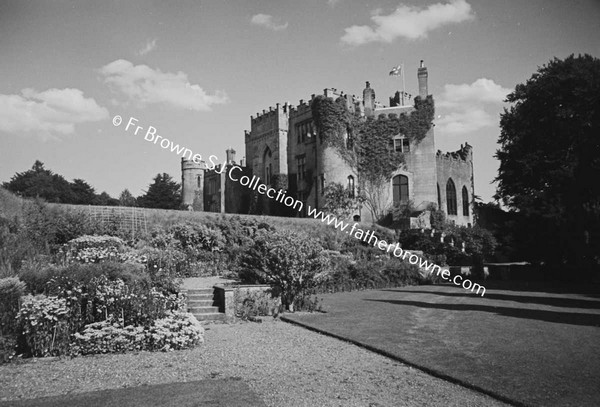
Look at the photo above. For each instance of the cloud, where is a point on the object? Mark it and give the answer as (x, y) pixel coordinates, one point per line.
(470, 107)
(332, 3)
(149, 47)
(144, 85)
(48, 113)
(409, 22)
(267, 21)
(482, 90)
(465, 121)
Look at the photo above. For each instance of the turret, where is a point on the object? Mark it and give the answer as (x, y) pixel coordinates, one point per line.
(192, 182)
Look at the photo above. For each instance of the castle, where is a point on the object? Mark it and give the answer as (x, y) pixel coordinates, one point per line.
(284, 149)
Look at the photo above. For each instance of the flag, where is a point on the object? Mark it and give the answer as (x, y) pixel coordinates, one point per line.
(396, 71)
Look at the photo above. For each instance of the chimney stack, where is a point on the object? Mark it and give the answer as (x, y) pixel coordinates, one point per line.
(230, 153)
(422, 75)
(369, 100)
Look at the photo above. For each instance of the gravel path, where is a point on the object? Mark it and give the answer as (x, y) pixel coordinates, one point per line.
(284, 364)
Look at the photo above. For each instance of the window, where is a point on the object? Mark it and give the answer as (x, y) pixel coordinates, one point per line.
(322, 177)
(451, 197)
(301, 161)
(465, 201)
(400, 187)
(267, 166)
(401, 144)
(439, 197)
(304, 131)
(199, 181)
(351, 192)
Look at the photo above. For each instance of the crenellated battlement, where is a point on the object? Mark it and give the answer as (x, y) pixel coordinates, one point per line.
(269, 114)
(465, 153)
(353, 102)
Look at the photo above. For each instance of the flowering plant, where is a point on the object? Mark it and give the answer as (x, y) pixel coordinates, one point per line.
(177, 330)
(44, 323)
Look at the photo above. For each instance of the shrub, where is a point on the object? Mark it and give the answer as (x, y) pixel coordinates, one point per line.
(195, 236)
(289, 261)
(165, 267)
(15, 246)
(11, 291)
(479, 244)
(134, 304)
(37, 275)
(45, 327)
(252, 303)
(348, 274)
(7, 348)
(108, 336)
(177, 330)
(93, 249)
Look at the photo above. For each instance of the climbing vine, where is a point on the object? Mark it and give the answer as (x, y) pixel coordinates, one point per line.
(366, 144)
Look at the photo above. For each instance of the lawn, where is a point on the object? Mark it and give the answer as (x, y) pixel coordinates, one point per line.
(531, 347)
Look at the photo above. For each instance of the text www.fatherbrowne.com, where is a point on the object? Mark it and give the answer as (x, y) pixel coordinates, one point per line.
(280, 196)
(370, 238)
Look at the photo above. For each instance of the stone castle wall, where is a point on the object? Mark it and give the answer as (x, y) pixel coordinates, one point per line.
(457, 166)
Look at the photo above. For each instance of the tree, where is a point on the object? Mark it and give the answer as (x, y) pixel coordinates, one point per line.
(550, 160)
(42, 183)
(83, 193)
(339, 201)
(289, 261)
(376, 162)
(105, 200)
(164, 193)
(126, 199)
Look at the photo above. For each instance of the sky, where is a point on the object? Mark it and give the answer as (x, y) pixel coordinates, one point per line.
(197, 70)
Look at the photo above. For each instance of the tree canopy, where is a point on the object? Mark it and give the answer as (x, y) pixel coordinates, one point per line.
(550, 159)
(127, 199)
(39, 182)
(163, 193)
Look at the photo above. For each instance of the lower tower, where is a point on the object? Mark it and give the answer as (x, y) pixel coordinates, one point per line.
(192, 184)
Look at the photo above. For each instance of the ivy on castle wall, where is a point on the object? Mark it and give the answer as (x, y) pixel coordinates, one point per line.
(366, 144)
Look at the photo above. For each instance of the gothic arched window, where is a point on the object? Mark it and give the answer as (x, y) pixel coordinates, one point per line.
(465, 201)
(268, 166)
(351, 186)
(451, 197)
(400, 189)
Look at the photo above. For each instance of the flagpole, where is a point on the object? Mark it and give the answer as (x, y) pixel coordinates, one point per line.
(402, 83)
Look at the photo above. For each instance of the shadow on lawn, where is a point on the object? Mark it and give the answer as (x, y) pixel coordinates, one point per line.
(571, 318)
(591, 290)
(553, 301)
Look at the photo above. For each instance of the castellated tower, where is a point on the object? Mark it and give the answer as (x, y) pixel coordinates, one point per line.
(267, 149)
(192, 182)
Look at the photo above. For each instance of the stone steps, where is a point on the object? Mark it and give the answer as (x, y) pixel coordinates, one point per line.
(201, 304)
(203, 310)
